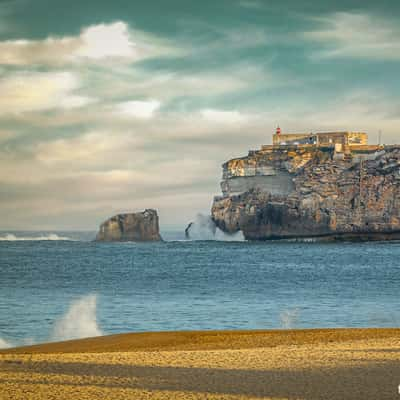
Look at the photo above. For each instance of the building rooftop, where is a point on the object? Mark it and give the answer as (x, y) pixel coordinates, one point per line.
(345, 138)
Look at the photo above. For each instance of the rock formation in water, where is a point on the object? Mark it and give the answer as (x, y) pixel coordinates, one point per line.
(132, 227)
(296, 191)
(187, 230)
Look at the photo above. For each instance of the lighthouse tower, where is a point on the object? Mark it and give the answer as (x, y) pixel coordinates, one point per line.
(276, 137)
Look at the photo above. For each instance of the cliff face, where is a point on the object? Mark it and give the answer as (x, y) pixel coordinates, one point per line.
(293, 192)
(134, 227)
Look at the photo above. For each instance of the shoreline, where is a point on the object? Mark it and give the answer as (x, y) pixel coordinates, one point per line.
(204, 340)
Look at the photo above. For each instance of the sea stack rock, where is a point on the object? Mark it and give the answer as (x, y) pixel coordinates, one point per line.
(333, 186)
(132, 227)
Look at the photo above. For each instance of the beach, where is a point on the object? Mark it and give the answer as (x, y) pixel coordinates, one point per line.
(278, 364)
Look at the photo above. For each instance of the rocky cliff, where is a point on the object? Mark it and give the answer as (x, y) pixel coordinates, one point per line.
(133, 227)
(307, 191)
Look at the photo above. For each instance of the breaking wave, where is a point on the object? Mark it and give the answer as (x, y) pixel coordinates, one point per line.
(79, 321)
(204, 228)
(4, 344)
(10, 237)
(289, 318)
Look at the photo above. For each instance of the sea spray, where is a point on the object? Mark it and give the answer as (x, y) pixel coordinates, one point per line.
(204, 228)
(4, 344)
(10, 237)
(79, 321)
(289, 318)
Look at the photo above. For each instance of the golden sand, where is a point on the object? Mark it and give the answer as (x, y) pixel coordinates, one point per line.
(298, 364)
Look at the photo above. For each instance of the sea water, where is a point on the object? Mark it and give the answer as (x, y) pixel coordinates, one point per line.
(63, 285)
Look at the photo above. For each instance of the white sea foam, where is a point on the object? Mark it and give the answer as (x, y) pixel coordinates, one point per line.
(4, 344)
(10, 237)
(204, 228)
(79, 321)
(289, 318)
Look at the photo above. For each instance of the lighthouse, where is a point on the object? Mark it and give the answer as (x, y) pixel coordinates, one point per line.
(278, 130)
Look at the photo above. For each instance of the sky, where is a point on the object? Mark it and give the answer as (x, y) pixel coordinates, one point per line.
(117, 106)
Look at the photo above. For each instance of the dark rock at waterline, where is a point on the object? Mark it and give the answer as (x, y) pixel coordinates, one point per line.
(187, 230)
(131, 227)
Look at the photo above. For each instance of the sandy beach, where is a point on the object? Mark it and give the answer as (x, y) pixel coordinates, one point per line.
(288, 364)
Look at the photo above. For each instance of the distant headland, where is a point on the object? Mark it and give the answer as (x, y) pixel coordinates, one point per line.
(328, 185)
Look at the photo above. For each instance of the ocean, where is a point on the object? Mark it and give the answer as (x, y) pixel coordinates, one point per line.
(61, 285)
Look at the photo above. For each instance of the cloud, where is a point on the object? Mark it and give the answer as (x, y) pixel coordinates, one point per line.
(245, 38)
(351, 35)
(52, 51)
(223, 117)
(101, 92)
(137, 109)
(144, 142)
(362, 110)
(96, 43)
(167, 84)
(5, 135)
(102, 41)
(95, 147)
(39, 91)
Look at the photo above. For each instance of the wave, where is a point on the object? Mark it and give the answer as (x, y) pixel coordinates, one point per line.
(204, 228)
(4, 344)
(10, 237)
(289, 319)
(79, 321)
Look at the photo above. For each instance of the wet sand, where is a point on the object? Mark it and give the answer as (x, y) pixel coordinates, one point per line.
(290, 364)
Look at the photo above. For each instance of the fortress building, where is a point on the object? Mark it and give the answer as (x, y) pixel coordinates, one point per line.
(323, 139)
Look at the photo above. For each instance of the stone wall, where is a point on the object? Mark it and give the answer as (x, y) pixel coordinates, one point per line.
(322, 138)
(357, 138)
(290, 137)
